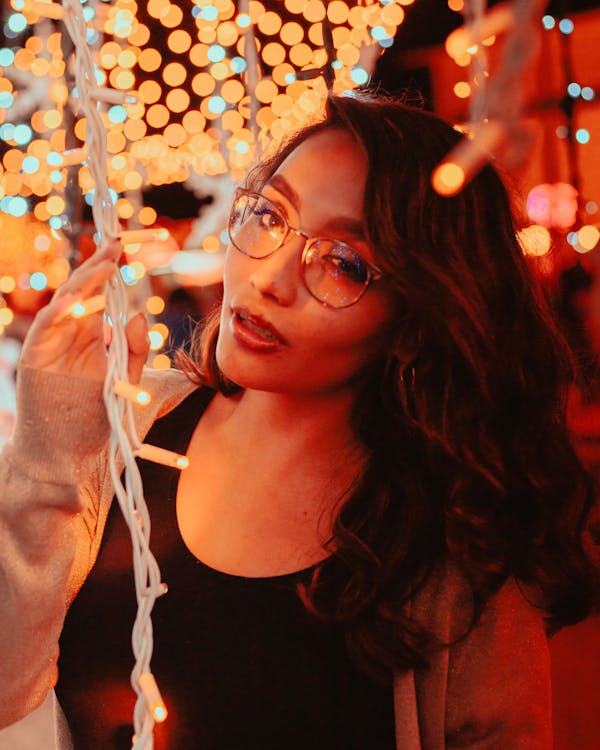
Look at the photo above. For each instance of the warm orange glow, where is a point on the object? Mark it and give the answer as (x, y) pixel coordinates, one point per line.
(127, 58)
(232, 91)
(149, 92)
(295, 6)
(124, 208)
(281, 105)
(179, 41)
(55, 205)
(227, 34)
(300, 54)
(348, 54)
(109, 54)
(448, 179)
(219, 71)
(199, 55)
(314, 11)
(122, 79)
(291, 33)
(157, 116)
(23, 59)
(588, 237)
(147, 216)
(115, 142)
(273, 53)
(255, 10)
(40, 67)
(194, 122)
(158, 8)
(161, 362)
(535, 240)
(140, 35)
(357, 17)
(462, 90)
(134, 129)
(337, 11)
(172, 18)
(203, 84)
(269, 23)
(150, 60)
(341, 36)
(175, 134)
(155, 305)
(174, 74)
(232, 120)
(392, 14)
(133, 180)
(177, 100)
(266, 91)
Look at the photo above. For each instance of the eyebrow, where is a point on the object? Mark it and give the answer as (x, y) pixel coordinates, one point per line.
(343, 224)
(282, 186)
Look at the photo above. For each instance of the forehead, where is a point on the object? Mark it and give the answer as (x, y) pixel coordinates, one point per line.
(327, 174)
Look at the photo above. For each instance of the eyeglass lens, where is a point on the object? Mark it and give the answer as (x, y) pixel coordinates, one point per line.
(334, 273)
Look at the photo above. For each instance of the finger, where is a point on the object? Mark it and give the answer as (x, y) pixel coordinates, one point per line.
(89, 280)
(113, 251)
(139, 346)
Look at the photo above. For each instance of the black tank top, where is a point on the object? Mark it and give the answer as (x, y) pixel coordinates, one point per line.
(240, 663)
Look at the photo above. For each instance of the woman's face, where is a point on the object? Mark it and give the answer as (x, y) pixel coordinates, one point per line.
(274, 335)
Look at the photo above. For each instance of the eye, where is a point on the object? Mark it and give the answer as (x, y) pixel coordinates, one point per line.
(268, 218)
(342, 260)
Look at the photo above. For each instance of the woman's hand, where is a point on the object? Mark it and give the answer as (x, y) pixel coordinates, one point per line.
(59, 342)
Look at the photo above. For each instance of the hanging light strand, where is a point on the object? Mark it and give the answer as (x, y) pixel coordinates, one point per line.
(124, 443)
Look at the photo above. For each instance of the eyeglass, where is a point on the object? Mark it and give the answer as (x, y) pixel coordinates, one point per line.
(333, 272)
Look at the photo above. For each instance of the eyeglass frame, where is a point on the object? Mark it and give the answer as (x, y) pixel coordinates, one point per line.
(374, 273)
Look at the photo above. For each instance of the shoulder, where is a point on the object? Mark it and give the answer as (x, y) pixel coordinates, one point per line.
(445, 604)
(167, 388)
(489, 686)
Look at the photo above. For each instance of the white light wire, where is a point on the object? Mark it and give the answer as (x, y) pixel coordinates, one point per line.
(123, 440)
(496, 112)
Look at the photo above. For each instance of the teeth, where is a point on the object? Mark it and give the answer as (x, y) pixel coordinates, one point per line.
(260, 331)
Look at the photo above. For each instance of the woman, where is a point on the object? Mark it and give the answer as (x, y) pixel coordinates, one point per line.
(382, 505)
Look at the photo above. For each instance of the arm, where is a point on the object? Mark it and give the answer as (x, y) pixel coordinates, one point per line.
(498, 693)
(61, 424)
(490, 690)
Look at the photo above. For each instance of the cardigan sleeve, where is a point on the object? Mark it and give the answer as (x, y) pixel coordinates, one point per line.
(498, 693)
(60, 427)
(490, 689)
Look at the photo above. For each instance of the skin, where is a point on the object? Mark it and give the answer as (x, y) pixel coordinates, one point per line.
(326, 348)
(266, 504)
(57, 342)
(260, 505)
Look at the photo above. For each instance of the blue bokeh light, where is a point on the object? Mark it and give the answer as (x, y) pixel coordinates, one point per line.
(549, 22)
(30, 164)
(582, 136)
(38, 281)
(216, 53)
(216, 105)
(566, 26)
(238, 64)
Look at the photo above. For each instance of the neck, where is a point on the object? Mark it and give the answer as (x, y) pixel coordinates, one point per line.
(306, 422)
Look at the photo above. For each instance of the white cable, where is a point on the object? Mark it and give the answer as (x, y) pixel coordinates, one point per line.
(124, 443)
(502, 102)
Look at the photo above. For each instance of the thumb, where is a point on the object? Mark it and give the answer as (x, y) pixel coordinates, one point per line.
(138, 345)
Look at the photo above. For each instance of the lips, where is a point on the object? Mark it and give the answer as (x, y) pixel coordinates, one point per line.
(254, 330)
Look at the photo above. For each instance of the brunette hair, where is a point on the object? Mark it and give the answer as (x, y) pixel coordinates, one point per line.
(470, 458)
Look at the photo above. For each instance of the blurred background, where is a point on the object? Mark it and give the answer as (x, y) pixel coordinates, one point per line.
(198, 91)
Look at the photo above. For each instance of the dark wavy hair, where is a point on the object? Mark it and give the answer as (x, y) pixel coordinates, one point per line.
(464, 419)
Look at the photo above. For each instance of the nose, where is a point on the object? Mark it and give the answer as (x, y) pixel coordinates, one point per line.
(278, 276)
